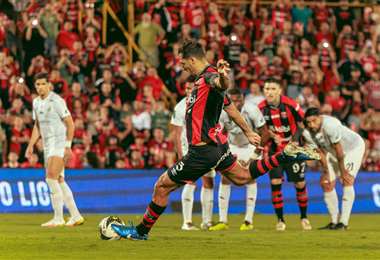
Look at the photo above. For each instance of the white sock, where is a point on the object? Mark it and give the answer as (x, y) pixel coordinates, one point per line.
(223, 201)
(331, 200)
(250, 202)
(207, 201)
(56, 198)
(347, 202)
(187, 202)
(68, 199)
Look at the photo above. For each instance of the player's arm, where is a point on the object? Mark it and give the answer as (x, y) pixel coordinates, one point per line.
(264, 134)
(177, 140)
(235, 115)
(33, 140)
(340, 157)
(222, 80)
(70, 128)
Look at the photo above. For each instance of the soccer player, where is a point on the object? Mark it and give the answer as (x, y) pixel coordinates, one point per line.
(284, 118)
(342, 152)
(178, 122)
(244, 151)
(208, 146)
(54, 124)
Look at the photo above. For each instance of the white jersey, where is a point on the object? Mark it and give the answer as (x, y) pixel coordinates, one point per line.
(178, 119)
(254, 118)
(49, 112)
(332, 131)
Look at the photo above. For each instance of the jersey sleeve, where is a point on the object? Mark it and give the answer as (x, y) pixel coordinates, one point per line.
(61, 108)
(210, 78)
(255, 115)
(308, 139)
(177, 119)
(333, 131)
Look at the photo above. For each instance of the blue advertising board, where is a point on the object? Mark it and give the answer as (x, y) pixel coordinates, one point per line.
(129, 191)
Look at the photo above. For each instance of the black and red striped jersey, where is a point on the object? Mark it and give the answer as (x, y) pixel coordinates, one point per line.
(282, 120)
(203, 110)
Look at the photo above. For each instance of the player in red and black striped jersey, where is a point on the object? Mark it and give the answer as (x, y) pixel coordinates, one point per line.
(208, 146)
(284, 118)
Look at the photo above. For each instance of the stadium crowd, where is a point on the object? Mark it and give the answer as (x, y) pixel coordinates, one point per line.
(325, 57)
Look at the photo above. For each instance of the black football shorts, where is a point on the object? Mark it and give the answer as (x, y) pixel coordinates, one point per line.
(200, 160)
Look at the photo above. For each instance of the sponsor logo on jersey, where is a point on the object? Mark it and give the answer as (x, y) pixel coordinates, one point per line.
(280, 129)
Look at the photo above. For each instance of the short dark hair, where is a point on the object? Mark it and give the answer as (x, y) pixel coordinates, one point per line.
(192, 49)
(312, 111)
(41, 75)
(273, 80)
(234, 91)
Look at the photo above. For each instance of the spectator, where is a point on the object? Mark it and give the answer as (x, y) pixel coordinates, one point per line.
(141, 119)
(150, 35)
(12, 161)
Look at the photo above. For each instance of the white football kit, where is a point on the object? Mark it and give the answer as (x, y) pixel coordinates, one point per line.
(238, 142)
(49, 113)
(332, 132)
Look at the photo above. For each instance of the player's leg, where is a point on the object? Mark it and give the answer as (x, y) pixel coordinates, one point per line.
(207, 199)
(251, 195)
(352, 162)
(162, 188)
(329, 193)
(76, 218)
(223, 201)
(55, 165)
(296, 174)
(187, 198)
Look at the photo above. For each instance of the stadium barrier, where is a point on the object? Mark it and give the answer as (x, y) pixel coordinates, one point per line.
(129, 191)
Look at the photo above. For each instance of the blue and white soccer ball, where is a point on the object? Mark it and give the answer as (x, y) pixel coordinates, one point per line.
(105, 229)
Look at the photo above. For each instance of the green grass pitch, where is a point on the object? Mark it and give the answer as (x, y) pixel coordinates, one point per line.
(21, 237)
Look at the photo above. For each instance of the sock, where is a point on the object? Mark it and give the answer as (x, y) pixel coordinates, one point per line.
(223, 201)
(152, 213)
(207, 201)
(302, 199)
(331, 200)
(187, 202)
(250, 202)
(277, 201)
(68, 199)
(347, 202)
(56, 198)
(260, 167)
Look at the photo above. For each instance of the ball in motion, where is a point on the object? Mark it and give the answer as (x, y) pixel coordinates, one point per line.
(105, 229)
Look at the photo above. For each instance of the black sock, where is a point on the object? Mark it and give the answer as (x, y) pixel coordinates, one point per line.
(277, 201)
(302, 199)
(152, 213)
(260, 167)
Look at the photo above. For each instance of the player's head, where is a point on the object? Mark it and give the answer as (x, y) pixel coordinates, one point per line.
(42, 84)
(193, 57)
(236, 97)
(272, 91)
(313, 119)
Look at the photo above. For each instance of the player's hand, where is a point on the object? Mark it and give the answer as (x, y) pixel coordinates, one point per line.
(29, 151)
(223, 67)
(67, 155)
(254, 138)
(347, 178)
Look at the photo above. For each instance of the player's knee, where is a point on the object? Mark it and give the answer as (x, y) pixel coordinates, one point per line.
(347, 183)
(276, 181)
(208, 183)
(300, 185)
(225, 180)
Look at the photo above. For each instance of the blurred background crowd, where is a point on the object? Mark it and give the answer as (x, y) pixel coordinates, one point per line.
(326, 54)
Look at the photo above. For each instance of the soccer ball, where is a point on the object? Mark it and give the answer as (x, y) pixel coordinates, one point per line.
(105, 229)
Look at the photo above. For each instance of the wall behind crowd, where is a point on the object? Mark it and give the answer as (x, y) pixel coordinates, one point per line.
(325, 57)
